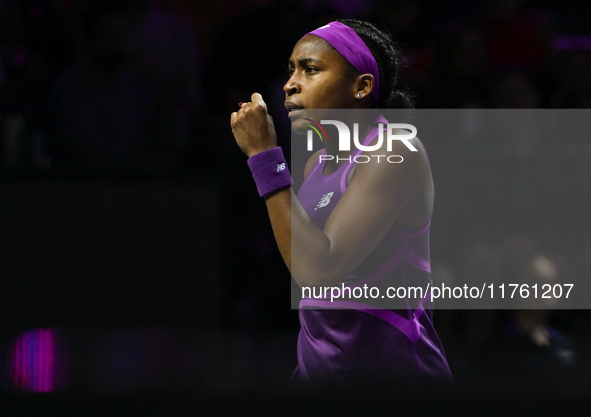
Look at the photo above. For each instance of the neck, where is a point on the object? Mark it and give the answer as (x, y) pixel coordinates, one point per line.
(341, 156)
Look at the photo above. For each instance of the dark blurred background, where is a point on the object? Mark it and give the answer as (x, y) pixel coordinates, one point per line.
(134, 247)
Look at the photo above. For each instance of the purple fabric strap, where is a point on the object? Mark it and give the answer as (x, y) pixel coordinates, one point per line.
(270, 171)
(348, 43)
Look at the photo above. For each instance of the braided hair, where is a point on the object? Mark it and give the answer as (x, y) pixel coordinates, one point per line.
(387, 56)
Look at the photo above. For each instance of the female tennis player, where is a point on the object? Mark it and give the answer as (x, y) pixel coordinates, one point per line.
(350, 224)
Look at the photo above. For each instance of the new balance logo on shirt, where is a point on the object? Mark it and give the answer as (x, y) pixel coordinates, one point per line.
(281, 167)
(324, 201)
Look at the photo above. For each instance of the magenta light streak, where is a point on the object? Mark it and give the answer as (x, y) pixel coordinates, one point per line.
(33, 361)
(566, 42)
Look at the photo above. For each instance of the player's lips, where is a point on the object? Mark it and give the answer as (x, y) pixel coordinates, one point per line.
(293, 109)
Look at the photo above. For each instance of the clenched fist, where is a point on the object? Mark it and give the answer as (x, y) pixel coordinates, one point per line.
(253, 127)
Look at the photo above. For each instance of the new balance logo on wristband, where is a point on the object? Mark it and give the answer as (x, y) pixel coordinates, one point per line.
(324, 201)
(262, 165)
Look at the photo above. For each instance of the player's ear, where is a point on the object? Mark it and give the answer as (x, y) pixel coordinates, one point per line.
(364, 85)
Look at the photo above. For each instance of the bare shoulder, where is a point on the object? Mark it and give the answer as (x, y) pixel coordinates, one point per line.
(408, 159)
(401, 174)
(311, 162)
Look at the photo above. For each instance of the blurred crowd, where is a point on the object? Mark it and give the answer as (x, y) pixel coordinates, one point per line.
(141, 84)
(539, 345)
(148, 86)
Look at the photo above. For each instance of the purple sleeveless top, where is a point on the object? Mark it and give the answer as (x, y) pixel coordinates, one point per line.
(348, 341)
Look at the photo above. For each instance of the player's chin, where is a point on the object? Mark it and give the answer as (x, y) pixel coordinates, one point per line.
(298, 125)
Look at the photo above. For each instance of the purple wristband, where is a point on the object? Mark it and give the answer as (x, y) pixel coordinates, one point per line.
(270, 171)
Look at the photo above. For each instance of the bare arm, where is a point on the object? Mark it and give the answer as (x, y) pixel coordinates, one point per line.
(379, 195)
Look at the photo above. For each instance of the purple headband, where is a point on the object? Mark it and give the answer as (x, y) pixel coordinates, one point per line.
(348, 43)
